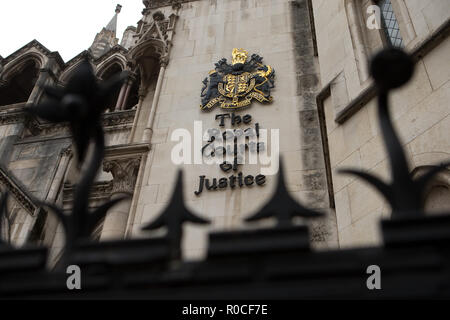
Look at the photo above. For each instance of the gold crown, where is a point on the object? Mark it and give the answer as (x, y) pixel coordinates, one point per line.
(239, 56)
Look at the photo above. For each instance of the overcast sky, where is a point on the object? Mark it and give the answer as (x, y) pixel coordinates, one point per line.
(68, 27)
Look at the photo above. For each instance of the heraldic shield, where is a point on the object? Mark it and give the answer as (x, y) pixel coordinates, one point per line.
(235, 86)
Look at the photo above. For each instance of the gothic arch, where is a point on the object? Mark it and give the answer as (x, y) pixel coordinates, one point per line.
(19, 78)
(17, 65)
(149, 48)
(147, 55)
(107, 73)
(110, 62)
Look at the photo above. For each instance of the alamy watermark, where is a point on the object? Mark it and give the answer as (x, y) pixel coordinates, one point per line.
(227, 148)
(374, 19)
(374, 280)
(73, 281)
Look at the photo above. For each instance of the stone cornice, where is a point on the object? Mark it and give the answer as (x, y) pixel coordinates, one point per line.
(153, 4)
(111, 122)
(13, 113)
(126, 150)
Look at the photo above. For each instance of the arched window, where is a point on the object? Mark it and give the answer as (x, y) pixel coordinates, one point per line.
(19, 85)
(113, 70)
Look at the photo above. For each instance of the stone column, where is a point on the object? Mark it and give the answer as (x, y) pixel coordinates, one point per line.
(142, 93)
(121, 96)
(124, 171)
(148, 132)
(125, 98)
(130, 81)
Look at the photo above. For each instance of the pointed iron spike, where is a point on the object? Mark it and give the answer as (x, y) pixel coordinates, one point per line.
(155, 224)
(282, 206)
(176, 212)
(391, 69)
(189, 217)
(292, 207)
(380, 186)
(173, 218)
(266, 212)
(397, 158)
(178, 191)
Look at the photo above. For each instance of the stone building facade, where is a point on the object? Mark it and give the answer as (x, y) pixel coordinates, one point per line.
(323, 106)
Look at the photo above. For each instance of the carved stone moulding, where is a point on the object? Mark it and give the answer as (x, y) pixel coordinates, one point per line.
(124, 172)
(124, 162)
(119, 118)
(115, 121)
(153, 4)
(6, 119)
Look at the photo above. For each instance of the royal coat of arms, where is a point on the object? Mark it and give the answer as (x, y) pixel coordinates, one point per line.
(235, 86)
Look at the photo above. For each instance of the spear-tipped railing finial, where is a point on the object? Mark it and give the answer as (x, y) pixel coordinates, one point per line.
(282, 206)
(173, 218)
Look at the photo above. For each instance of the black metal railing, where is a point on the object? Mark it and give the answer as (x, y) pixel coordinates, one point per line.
(257, 263)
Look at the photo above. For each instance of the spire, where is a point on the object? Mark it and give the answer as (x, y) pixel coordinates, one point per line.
(112, 25)
(106, 39)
